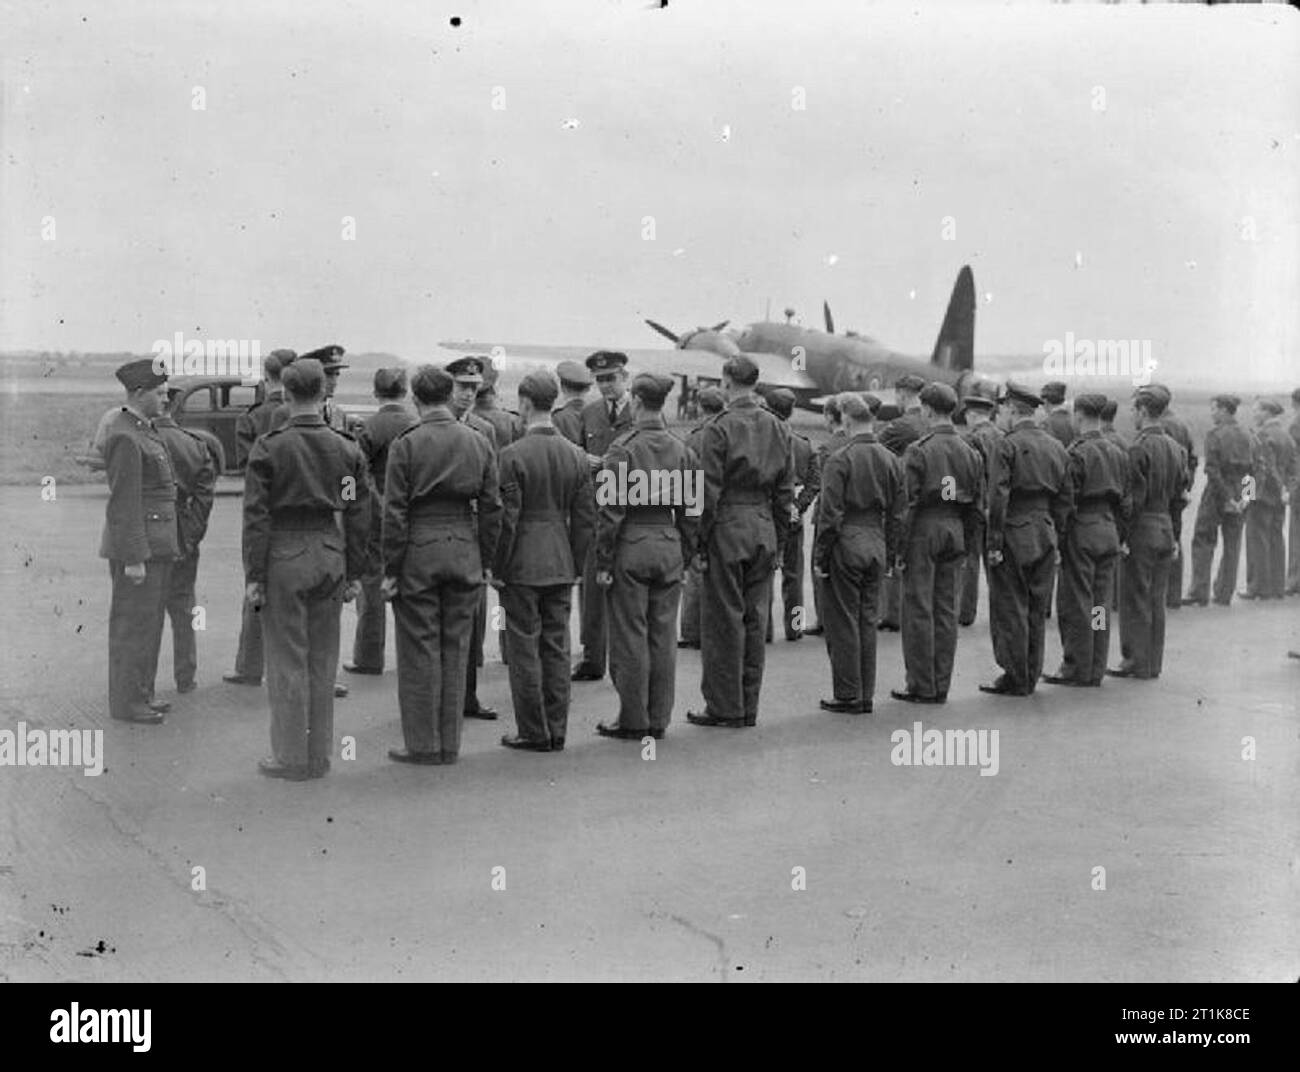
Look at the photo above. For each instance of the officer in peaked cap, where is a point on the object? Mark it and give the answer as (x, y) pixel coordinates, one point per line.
(575, 381)
(332, 363)
(982, 433)
(603, 419)
(139, 541)
(781, 402)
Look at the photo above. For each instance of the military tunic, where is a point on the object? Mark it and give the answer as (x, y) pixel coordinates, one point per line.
(139, 527)
(984, 438)
(300, 478)
(1230, 458)
(568, 420)
(692, 579)
(196, 478)
(1029, 501)
(644, 547)
(898, 435)
(479, 631)
(859, 514)
(1176, 428)
(440, 475)
(748, 492)
(1266, 514)
(792, 562)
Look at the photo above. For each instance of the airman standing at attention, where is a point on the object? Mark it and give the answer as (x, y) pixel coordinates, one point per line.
(983, 434)
(642, 544)
(139, 542)
(374, 438)
(548, 520)
(1158, 474)
(898, 434)
(781, 402)
(711, 402)
(1293, 532)
(859, 512)
(196, 481)
(301, 567)
(507, 426)
(943, 478)
(467, 374)
(1176, 428)
(1266, 515)
(575, 381)
(1090, 547)
(1056, 415)
(748, 489)
(1230, 456)
(442, 519)
(838, 434)
(603, 419)
(1029, 501)
(1108, 413)
(257, 420)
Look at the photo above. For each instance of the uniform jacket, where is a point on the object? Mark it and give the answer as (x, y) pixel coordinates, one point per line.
(548, 513)
(1098, 471)
(1176, 429)
(902, 431)
(377, 435)
(1158, 471)
(941, 470)
(256, 421)
(1230, 457)
(484, 428)
(803, 456)
(649, 447)
(441, 463)
(1278, 455)
(746, 449)
(1059, 425)
(568, 420)
(507, 426)
(862, 503)
(196, 482)
(1029, 462)
(985, 438)
(813, 482)
(305, 466)
(597, 431)
(141, 519)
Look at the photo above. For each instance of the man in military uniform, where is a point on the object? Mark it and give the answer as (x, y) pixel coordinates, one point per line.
(838, 437)
(1293, 531)
(603, 419)
(575, 381)
(1159, 476)
(507, 426)
(1056, 415)
(898, 434)
(781, 402)
(748, 494)
(983, 434)
(1176, 428)
(1230, 457)
(467, 375)
(374, 438)
(271, 412)
(331, 360)
(711, 402)
(642, 542)
(1108, 414)
(1090, 547)
(139, 542)
(859, 512)
(196, 480)
(1029, 501)
(548, 521)
(441, 475)
(301, 567)
(1266, 514)
(944, 483)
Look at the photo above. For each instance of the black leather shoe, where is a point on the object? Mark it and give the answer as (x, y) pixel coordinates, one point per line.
(713, 720)
(241, 679)
(1003, 687)
(845, 707)
(907, 696)
(885, 627)
(815, 630)
(658, 735)
(1249, 595)
(793, 636)
(1070, 682)
(1190, 602)
(557, 744)
(184, 687)
(160, 707)
(289, 773)
(340, 690)
(1128, 671)
(353, 669)
(689, 644)
(583, 672)
(1223, 602)
(423, 759)
(449, 758)
(523, 744)
(141, 713)
(487, 714)
(747, 722)
(622, 733)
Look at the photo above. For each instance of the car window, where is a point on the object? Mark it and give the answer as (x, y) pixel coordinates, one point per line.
(199, 401)
(239, 396)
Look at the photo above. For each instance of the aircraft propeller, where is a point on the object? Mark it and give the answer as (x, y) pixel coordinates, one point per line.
(830, 321)
(676, 339)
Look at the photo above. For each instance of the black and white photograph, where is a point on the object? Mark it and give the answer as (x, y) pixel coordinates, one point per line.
(607, 491)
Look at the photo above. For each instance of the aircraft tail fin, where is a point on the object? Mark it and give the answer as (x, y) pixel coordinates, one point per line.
(954, 349)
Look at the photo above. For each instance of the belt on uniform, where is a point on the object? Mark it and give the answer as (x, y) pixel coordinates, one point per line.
(745, 497)
(303, 518)
(649, 515)
(439, 510)
(944, 509)
(1101, 504)
(1025, 502)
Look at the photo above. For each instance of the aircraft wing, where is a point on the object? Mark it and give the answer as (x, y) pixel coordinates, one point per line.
(773, 371)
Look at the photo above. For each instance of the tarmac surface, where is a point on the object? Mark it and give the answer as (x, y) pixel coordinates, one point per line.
(621, 868)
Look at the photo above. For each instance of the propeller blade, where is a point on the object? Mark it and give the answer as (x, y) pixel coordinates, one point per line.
(719, 326)
(830, 320)
(670, 336)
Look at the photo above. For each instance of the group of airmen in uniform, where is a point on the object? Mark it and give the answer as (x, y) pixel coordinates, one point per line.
(426, 509)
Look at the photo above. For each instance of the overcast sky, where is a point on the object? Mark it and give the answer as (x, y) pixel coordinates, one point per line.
(524, 223)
